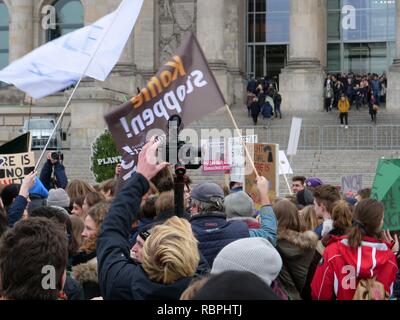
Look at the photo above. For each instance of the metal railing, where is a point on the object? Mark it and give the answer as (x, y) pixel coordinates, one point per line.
(330, 137)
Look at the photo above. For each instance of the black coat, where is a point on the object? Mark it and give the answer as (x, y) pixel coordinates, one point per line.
(119, 277)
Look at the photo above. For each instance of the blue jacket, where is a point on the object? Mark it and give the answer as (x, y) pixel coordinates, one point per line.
(119, 277)
(39, 189)
(59, 172)
(16, 210)
(269, 225)
(214, 232)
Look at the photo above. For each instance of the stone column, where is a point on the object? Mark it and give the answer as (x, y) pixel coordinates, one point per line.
(393, 89)
(144, 43)
(234, 35)
(21, 28)
(301, 82)
(210, 34)
(122, 78)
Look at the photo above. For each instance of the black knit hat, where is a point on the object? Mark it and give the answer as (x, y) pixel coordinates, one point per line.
(305, 197)
(235, 285)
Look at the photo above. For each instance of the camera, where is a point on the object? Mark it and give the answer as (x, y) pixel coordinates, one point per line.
(57, 156)
(186, 156)
(185, 152)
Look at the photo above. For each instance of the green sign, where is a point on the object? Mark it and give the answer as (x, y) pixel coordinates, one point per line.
(386, 188)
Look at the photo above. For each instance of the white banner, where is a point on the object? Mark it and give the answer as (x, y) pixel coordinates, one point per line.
(294, 136)
(60, 63)
(236, 155)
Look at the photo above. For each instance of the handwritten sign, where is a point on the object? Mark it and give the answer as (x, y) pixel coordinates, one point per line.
(266, 162)
(15, 167)
(351, 184)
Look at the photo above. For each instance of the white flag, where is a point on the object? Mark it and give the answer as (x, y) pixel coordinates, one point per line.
(60, 63)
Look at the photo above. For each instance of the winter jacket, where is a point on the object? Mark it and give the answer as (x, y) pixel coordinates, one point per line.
(73, 289)
(119, 277)
(16, 210)
(341, 268)
(86, 275)
(214, 232)
(321, 245)
(297, 250)
(59, 172)
(344, 106)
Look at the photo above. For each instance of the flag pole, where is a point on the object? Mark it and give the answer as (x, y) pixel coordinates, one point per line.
(77, 85)
(240, 135)
(58, 122)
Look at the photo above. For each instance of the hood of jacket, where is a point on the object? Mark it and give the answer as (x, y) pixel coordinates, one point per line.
(86, 272)
(368, 258)
(145, 289)
(302, 240)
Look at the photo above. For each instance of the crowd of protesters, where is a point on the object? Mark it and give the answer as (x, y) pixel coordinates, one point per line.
(263, 98)
(130, 244)
(341, 91)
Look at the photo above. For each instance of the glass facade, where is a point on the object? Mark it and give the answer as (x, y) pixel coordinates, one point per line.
(361, 35)
(4, 35)
(267, 36)
(69, 17)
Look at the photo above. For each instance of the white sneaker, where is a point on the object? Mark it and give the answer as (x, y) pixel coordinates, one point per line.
(346, 127)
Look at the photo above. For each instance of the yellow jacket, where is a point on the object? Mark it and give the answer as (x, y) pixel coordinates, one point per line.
(344, 106)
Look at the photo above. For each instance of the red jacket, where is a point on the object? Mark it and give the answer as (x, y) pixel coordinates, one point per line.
(341, 267)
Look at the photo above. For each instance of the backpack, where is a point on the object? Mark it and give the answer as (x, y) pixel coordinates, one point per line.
(370, 289)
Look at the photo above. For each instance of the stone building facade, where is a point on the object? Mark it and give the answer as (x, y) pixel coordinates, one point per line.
(219, 26)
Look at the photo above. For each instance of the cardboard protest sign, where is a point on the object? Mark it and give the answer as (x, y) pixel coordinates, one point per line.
(351, 184)
(237, 155)
(266, 162)
(386, 188)
(214, 157)
(184, 86)
(16, 159)
(14, 167)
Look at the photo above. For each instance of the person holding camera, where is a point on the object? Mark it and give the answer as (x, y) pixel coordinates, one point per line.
(54, 161)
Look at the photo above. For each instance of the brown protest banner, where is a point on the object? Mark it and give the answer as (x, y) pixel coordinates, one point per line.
(15, 167)
(266, 162)
(184, 86)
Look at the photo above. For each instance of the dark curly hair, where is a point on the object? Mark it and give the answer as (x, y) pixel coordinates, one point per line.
(25, 251)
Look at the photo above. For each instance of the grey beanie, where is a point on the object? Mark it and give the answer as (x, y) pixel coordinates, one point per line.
(58, 198)
(238, 204)
(255, 255)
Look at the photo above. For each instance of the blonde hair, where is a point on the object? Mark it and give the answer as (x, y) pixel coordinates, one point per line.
(193, 288)
(170, 252)
(309, 218)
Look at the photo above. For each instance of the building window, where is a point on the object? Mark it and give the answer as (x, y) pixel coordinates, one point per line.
(4, 35)
(69, 17)
(361, 34)
(267, 36)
